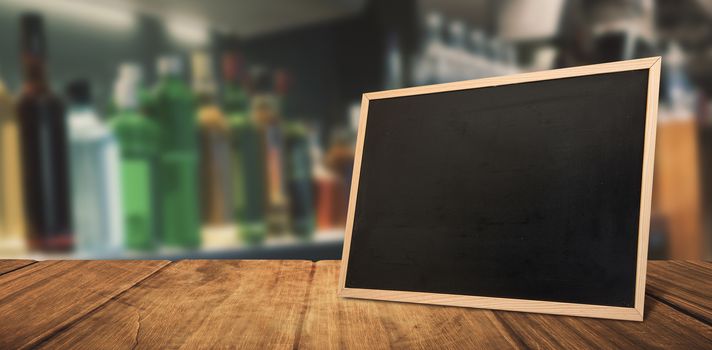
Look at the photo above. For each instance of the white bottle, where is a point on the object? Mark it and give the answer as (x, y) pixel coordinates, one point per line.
(96, 201)
(432, 64)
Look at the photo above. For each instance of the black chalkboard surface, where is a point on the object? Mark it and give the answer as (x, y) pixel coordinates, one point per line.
(526, 193)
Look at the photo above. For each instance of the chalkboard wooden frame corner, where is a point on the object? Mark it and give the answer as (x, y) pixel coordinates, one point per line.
(635, 313)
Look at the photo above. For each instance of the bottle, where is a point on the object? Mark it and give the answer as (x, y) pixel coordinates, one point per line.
(12, 225)
(434, 66)
(299, 179)
(172, 105)
(265, 110)
(215, 167)
(340, 159)
(393, 63)
(458, 58)
(681, 96)
(137, 137)
(297, 163)
(96, 201)
(248, 159)
(43, 140)
(325, 183)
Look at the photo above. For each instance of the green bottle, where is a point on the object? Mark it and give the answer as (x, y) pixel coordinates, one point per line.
(249, 178)
(172, 105)
(248, 159)
(138, 139)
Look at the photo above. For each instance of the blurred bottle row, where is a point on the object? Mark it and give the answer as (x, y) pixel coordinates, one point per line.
(453, 52)
(165, 162)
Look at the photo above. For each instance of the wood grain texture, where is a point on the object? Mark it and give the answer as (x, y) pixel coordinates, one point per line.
(293, 304)
(685, 285)
(201, 304)
(536, 306)
(646, 183)
(663, 328)
(42, 298)
(353, 193)
(12, 265)
(335, 323)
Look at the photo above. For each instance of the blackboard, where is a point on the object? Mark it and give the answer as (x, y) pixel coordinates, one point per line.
(528, 192)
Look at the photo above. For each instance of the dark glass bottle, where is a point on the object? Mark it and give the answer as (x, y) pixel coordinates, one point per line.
(215, 168)
(43, 147)
(299, 180)
(264, 113)
(297, 162)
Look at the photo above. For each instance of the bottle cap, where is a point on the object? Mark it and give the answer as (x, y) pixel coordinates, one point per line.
(129, 71)
(79, 92)
(169, 65)
(434, 20)
(457, 33)
(232, 65)
(477, 40)
(282, 81)
(262, 80)
(203, 81)
(126, 86)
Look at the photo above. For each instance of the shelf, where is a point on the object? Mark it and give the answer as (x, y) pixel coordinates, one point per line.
(325, 245)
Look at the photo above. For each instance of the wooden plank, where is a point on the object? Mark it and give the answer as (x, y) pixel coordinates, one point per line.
(338, 323)
(12, 265)
(662, 328)
(685, 285)
(42, 298)
(201, 304)
(646, 186)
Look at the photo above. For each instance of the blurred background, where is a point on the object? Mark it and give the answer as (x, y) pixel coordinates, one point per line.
(225, 129)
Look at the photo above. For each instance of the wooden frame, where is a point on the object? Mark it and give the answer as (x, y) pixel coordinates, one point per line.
(635, 313)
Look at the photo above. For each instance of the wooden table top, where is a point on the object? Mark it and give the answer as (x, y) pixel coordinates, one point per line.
(292, 304)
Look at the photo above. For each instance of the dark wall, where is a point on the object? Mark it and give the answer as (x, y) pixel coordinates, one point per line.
(333, 63)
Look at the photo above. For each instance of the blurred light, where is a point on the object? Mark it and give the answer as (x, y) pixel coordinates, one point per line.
(187, 32)
(529, 19)
(107, 16)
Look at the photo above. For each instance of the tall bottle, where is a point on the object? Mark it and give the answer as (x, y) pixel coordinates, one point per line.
(138, 138)
(172, 105)
(96, 201)
(297, 164)
(248, 158)
(43, 139)
(12, 225)
(300, 183)
(433, 66)
(264, 112)
(215, 168)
